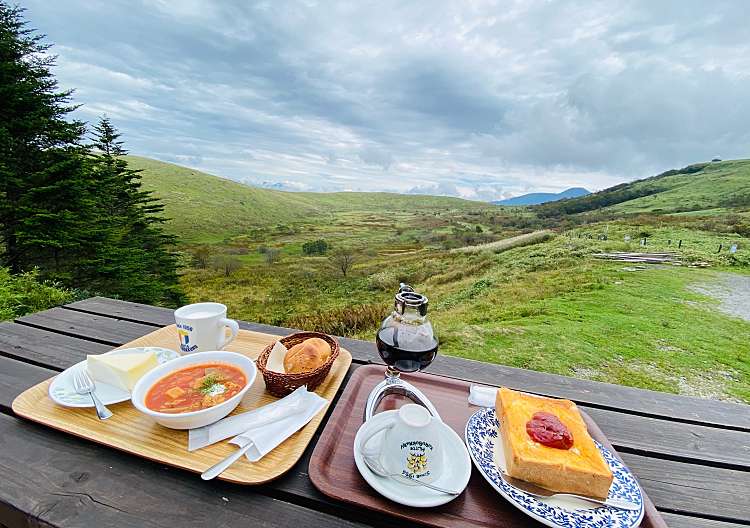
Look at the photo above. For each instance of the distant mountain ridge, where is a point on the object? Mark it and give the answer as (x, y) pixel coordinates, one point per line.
(540, 198)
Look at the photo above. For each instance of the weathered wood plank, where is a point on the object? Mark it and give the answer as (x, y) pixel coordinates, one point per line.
(125, 310)
(16, 377)
(45, 348)
(634, 433)
(683, 521)
(49, 479)
(684, 441)
(638, 401)
(97, 328)
(601, 395)
(693, 489)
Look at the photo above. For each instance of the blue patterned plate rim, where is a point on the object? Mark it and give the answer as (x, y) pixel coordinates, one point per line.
(481, 433)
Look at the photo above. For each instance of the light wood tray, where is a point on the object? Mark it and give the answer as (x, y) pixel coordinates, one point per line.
(136, 433)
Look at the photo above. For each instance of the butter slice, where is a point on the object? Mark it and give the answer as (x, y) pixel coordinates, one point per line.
(120, 370)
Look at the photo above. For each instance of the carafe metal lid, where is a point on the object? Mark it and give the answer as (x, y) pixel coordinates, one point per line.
(408, 298)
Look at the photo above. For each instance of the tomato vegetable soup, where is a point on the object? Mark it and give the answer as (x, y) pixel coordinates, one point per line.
(195, 387)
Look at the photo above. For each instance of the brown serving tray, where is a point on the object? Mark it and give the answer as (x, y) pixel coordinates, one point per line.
(334, 473)
(136, 433)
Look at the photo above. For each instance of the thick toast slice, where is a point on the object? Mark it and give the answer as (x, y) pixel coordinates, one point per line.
(580, 469)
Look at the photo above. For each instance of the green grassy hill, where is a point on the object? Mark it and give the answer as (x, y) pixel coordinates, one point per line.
(703, 188)
(206, 208)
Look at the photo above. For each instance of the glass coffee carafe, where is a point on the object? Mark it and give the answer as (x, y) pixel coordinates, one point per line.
(406, 343)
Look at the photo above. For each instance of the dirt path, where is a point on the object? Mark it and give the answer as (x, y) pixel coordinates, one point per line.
(732, 290)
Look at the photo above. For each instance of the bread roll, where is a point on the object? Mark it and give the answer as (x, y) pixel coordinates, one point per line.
(307, 355)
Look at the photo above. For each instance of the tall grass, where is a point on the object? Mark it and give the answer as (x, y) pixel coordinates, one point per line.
(508, 243)
(342, 321)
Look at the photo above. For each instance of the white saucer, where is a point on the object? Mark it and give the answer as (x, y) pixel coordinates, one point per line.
(62, 392)
(455, 475)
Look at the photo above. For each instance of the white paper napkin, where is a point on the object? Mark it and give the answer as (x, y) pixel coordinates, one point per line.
(482, 396)
(265, 439)
(266, 426)
(275, 362)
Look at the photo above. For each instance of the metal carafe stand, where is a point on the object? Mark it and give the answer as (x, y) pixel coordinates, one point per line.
(410, 316)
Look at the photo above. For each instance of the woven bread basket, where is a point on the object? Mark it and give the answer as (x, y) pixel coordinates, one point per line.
(280, 384)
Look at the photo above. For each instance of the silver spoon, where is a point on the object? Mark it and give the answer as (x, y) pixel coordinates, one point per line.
(538, 491)
(218, 468)
(377, 468)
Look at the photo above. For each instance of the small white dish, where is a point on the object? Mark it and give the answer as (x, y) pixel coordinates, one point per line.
(62, 392)
(486, 449)
(455, 474)
(193, 419)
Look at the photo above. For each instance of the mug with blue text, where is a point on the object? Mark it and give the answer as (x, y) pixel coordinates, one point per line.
(201, 327)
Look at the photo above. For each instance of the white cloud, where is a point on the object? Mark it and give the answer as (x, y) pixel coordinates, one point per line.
(479, 99)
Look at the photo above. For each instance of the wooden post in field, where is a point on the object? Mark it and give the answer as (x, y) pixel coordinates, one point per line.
(679, 245)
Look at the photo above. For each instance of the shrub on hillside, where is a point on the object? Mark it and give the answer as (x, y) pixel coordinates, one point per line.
(389, 279)
(272, 255)
(226, 264)
(315, 247)
(343, 260)
(202, 257)
(25, 293)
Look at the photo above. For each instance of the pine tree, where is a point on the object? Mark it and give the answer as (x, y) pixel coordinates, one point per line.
(80, 216)
(45, 204)
(133, 260)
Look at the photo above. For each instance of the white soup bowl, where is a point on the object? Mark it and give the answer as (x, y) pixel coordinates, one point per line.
(193, 419)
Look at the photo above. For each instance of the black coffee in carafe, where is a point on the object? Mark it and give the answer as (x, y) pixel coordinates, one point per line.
(406, 340)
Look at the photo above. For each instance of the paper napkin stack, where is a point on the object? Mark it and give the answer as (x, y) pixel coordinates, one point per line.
(482, 396)
(265, 427)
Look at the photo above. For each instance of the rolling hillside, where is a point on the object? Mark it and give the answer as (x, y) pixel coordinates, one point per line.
(540, 198)
(703, 188)
(206, 208)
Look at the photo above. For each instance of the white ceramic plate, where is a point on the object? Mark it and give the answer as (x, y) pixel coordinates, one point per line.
(486, 450)
(62, 392)
(455, 475)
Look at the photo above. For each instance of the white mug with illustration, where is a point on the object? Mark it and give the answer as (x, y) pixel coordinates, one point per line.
(202, 327)
(411, 444)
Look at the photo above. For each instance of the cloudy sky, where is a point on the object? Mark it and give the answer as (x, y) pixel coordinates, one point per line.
(480, 99)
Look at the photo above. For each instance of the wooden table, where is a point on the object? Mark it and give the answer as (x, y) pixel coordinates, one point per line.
(692, 456)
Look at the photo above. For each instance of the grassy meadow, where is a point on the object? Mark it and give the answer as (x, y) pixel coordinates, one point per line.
(504, 286)
(548, 306)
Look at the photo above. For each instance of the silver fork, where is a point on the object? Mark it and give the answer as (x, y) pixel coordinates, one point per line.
(83, 384)
(538, 491)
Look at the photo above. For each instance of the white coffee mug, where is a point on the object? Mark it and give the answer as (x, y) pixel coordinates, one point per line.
(411, 444)
(201, 327)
